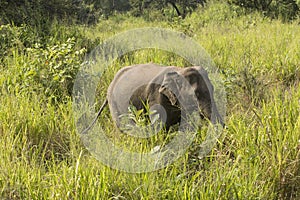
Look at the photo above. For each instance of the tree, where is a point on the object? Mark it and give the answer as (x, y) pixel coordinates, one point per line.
(107, 7)
(262, 5)
(284, 9)
(182, 7)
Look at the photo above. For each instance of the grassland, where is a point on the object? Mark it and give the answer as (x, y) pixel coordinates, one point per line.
(257, 156)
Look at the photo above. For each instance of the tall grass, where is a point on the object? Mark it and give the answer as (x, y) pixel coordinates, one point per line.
(257, 156)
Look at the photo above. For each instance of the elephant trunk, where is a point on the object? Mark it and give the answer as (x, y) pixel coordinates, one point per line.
(216, 118)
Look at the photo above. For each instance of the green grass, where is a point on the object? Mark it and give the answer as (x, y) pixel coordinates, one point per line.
(257, 156)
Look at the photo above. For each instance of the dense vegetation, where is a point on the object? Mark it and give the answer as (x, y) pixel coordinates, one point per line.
(257, 156)
(90, 11)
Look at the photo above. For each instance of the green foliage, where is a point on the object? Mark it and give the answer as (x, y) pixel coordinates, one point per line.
(50, 71)
(42, 63)
(38, 11)
(108, 7)
(261, 5)
(181, 7)
(283, 9)
(12, 37)
(57, 67)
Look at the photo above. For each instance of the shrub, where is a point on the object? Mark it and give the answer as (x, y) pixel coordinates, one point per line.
(283, 9)
(49, 71)
(38, 11)
(54, 68)
(12, 37)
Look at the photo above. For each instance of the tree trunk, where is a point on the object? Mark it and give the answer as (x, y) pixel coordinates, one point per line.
(175, 7)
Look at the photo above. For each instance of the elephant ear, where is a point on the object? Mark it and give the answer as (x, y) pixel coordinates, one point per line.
(170, 86)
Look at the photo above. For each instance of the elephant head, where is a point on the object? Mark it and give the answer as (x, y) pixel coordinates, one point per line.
(165, 90)
(185, 85)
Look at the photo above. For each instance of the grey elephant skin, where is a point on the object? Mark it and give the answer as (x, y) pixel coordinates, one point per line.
(165, 90)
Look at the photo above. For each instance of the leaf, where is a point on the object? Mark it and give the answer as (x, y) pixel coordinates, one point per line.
(56, 78)
(139, 112)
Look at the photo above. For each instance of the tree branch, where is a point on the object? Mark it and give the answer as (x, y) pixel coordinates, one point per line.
(175, 7)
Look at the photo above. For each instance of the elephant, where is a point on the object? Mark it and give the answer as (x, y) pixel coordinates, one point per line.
(164, 90)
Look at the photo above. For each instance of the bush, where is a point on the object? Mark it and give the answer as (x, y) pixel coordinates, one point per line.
(12, 37)
(50, 71)
(282, 9)
(40, 11)
(53, 68)
(262, 5)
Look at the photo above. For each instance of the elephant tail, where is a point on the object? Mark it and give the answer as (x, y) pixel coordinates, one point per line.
(95, 119)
